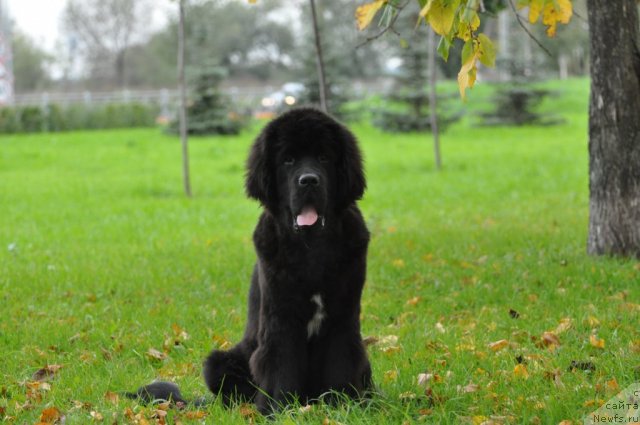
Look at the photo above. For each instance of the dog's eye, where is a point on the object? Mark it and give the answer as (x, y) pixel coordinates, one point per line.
(289, 160)
(323, 158)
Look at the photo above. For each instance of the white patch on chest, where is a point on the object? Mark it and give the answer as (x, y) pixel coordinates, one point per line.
(313, 327)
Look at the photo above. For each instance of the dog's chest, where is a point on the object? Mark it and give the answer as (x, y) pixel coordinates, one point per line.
(314, 324)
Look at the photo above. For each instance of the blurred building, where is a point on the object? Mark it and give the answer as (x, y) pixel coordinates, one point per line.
(6, 57)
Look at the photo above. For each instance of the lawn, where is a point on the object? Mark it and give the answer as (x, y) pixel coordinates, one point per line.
(478, 282)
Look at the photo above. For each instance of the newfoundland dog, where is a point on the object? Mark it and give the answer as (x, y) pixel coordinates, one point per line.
(302, 339)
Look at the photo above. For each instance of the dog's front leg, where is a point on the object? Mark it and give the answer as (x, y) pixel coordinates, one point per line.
(279, 363)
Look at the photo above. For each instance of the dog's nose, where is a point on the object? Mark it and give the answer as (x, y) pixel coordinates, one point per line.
(309, 179)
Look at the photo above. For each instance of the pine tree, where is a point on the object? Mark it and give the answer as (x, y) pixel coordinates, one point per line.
(209, 111)
(407, 106)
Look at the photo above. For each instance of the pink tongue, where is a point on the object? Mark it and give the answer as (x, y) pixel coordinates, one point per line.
(307, 217)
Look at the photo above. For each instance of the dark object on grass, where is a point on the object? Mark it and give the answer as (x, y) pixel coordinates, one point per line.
(158, 391)
(162, 391)
(514, 314)
(516, 106)
(302, 337)
(586, 366)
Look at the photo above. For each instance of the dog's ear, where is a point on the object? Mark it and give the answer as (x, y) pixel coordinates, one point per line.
(351, 180)
(259, 183)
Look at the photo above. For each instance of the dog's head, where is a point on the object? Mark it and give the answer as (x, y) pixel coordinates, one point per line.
(305, 167)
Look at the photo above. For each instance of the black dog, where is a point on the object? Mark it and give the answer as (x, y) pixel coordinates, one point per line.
(302, 338)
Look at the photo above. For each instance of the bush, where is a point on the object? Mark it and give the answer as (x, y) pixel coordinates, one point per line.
(9, 120)
(515, 106)
(30, 119)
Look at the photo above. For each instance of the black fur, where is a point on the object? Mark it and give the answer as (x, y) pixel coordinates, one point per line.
(279, 359)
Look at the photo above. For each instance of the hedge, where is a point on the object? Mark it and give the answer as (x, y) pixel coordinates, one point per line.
(34, 119)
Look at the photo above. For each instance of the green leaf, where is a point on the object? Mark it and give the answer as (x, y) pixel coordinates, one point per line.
(469, 10)
(441, 15)
(487, 55)
(467, 51)
(443, 48)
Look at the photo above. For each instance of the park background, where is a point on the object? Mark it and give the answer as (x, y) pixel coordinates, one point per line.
(481, 303)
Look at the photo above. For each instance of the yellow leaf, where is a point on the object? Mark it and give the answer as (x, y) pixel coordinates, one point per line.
(565, 11)
(565, 325)
(499, 345)
(413, 301)
(534, 10)
(613, 385)
(467, 74)
(551, 340)
(366, 13)
(593, 321)
(398, 262)
(521, 371)
(478, 420)
(549, 18)
(390, 375)
(425, 10)
(596, 342)
(441, 15)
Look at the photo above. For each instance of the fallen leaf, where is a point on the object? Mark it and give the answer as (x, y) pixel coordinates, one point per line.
(596, 342)
(398, 262)
(156, 354)
(47, 372)
(498, 345)
(440, 328)
(550, 340)
(565, 325)
(593, 321)
(51, 416)
(388, 341)
(470, 388)
(96, 416)
(391, 350)
(613, 385)
(199, 414)
(514, 314)
(408, 395)
(305, 409)
(413, 301)
(565, 422)
(479, 420)
(390, 375)
(112, 397)
(554, 376)
(247, 411)
(521, 371)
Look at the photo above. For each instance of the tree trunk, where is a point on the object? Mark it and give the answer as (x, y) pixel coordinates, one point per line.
(614, 129)
(322, 83)
(120, 78)
(183, 103)
(433, 97)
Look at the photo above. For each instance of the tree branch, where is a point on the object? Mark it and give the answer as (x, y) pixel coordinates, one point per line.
(389, 27)
(524, 27)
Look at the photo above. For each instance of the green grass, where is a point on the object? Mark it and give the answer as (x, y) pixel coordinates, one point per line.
(100, 254)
